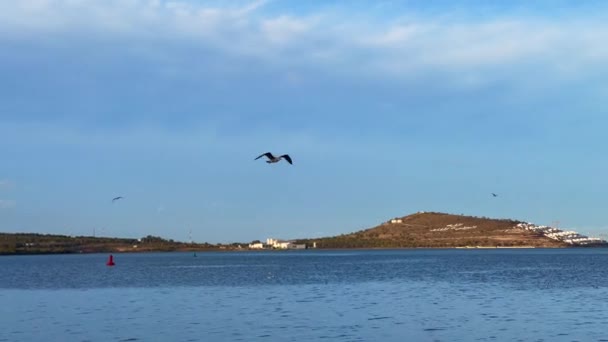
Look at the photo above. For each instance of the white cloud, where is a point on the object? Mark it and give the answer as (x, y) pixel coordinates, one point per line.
(334, 40)
(284, 29)
(251, 7)
(396, 35)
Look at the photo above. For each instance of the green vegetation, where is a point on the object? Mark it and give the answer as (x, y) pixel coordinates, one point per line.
(31, 243)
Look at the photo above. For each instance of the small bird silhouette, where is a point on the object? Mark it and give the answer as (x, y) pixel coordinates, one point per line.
(495, 195)
(116, 198)
(273, 159)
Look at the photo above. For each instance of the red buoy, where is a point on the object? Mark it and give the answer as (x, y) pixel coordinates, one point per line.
(110, 261)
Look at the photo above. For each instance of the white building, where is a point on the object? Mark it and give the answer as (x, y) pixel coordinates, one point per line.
(258, 245)
(570, 236)
(281, 244)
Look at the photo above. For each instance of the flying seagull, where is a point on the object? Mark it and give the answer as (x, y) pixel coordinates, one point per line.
(495, 195)
(273, 159)
(116, 198)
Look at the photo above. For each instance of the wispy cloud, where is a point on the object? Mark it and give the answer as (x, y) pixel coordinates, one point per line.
(397, 46)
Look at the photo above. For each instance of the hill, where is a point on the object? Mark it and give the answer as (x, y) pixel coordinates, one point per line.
(32, 243)
(441, 230)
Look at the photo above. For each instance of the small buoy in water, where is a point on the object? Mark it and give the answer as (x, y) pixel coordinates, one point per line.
(110, 261)
(195, 254)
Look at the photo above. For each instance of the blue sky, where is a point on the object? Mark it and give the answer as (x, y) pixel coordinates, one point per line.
(387, 108)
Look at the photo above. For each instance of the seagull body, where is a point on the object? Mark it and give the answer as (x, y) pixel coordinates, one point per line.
(273, 159)
(495, 195)
(116, 198)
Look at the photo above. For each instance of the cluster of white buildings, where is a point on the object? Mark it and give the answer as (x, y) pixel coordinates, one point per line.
(277, 244)
(570, 236)
(456, 226)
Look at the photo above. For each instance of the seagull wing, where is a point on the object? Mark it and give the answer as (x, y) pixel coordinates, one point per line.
(288, 158)
(267, 154)
(116, 198)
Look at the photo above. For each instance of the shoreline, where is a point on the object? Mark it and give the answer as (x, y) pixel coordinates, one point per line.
(298, 250)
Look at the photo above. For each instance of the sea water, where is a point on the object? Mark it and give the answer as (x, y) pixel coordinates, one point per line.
(309, 295)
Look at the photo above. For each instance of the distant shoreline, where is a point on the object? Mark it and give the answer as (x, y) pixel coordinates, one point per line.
(421, 230)
(243, 250)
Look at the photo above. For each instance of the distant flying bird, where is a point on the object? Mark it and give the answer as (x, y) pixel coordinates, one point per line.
(495, 195)
(273, 159)
(116, 198)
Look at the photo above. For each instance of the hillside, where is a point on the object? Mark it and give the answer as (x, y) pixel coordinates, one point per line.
(31, 243)
(440, 230)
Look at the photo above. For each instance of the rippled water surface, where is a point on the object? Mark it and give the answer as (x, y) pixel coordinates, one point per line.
(389, 295)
